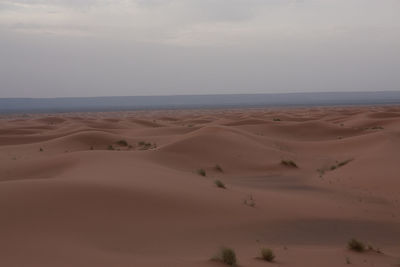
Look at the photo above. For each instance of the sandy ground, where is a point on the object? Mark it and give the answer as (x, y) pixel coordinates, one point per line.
(71, 195)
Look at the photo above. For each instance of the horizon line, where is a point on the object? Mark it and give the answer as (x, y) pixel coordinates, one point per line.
(223, 94)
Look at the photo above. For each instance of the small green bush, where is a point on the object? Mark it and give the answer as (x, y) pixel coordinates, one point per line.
(122, 143)
(289, 163)
(356, 245)
(146, 145)
(228, 256)
(219, 184)
(267, 254)
(201, 172)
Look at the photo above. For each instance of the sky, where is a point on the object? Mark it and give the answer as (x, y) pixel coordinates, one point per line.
(75, 48)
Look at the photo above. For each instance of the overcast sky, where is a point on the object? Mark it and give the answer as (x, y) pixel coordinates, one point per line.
(53, 48)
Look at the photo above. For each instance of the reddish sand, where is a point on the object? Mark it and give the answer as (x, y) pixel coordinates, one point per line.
(66, 199)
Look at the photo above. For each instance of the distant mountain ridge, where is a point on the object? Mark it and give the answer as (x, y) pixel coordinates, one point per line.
(115, 103)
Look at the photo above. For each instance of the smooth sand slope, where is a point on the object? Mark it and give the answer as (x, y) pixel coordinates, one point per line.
(123, 188)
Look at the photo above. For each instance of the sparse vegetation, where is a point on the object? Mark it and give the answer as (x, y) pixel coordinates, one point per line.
(340, 164)
(227, 256)
(371, 248)
(356, 245)
(219, 184)
(289, 163)
(41, 149)
(267, 254)
(333, 167)
(146, 145)
(249, 201)
(122, 143)
(276, 119)
(218, 168)
(201, 172)
(110, 147)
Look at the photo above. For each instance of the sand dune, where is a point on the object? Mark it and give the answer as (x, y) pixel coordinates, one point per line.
(124, 189)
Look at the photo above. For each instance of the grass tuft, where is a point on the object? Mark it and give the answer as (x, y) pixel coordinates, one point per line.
(342, 163)
(267, 254)
(356, 245)
(122, 143)
(227, 256)
(146, 145)
(219, 184)
(289, 163)
(201, 172)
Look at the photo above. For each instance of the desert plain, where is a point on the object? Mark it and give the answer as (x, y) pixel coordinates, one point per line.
(137, 188)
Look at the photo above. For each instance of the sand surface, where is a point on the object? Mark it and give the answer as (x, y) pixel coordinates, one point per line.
(71, 195)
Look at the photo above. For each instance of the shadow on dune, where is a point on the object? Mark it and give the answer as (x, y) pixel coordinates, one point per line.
(274, 182)
(331, 232)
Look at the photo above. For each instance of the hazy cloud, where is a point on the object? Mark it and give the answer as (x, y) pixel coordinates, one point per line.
(129, 47)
